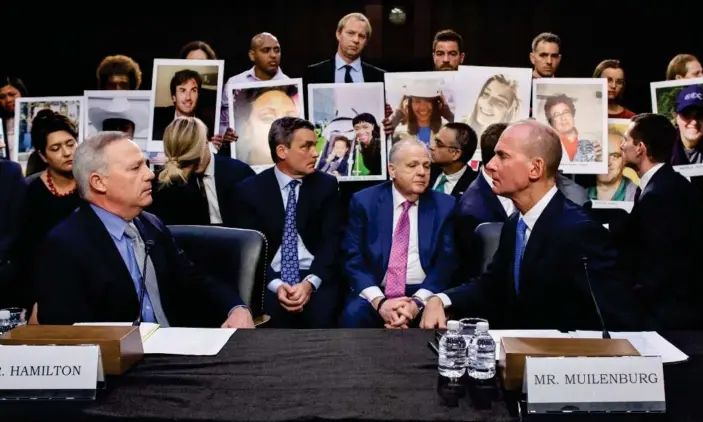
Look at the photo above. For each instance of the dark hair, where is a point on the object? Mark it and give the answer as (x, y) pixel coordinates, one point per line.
(183, 76)
(198, 45)
(119, 65)
(657, 133)
(448, 35)
(47, 122)
(466, 138)
(558, 99)
(606, 64)
(283, 131)
(547, 37)
(489, 140)
(14, 82)
(368, 118)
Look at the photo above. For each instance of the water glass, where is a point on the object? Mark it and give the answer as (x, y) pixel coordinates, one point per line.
(469, 327)
(17, 317)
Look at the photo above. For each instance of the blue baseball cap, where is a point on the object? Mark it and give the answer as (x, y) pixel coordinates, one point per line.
(691, 96)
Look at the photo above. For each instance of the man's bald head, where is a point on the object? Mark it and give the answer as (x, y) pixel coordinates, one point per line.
(265, 52)
(259, 39)
(537, 140)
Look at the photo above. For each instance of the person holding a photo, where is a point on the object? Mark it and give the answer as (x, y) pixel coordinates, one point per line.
(11, 89)
(612, 71)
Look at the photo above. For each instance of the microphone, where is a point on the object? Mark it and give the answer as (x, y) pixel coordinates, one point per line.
(606, 334)
(142, 285)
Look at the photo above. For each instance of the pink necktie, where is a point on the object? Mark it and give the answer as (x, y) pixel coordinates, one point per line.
(396, 274)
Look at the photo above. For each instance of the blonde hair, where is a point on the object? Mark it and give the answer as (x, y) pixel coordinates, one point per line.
(357, 16)
(677, 65)
(184, 141)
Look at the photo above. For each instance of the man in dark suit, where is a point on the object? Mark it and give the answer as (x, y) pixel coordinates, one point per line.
(12, 198)
(663, 238)
(108, 258)
(399, 239)
(452, 149)
(550, 251)
(298, 210)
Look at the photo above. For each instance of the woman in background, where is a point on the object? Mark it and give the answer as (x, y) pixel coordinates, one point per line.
(11, 89)
(614, 73)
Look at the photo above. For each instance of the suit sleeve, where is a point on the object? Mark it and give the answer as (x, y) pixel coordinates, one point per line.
(440, 276)
(330, 220)
(594, 243)
(58, 285)
(17, 195)
(218, 294)
(357, 271)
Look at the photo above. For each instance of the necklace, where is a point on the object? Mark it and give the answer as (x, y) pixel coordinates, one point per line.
(52, 188)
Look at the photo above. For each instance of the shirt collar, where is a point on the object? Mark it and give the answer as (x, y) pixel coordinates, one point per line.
(114, 224)
(398, 198)
(251, 75)
(531, 217)
(283, 179)
(488, 178)
(644, 180)
(455, 176)
(339, 63)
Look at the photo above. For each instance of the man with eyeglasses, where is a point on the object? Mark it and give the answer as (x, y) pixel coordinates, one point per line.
(451, 150)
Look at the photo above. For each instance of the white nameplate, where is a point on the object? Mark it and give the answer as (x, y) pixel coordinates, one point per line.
(594, 384)
(49, 368)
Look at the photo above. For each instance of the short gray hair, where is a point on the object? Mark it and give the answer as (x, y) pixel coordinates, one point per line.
(89, 158)
(395, 149)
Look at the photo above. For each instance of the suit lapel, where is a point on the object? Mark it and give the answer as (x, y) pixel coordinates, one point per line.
(425, 226)
(539, 235)
(275, 211)
(303, 204)
(157, 259)
(384, 218)
(464, 181)
(220, 180)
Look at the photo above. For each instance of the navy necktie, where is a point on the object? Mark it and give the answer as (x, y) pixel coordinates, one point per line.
(347, 75)
(638, 193)
(289, 246)
(519, 251)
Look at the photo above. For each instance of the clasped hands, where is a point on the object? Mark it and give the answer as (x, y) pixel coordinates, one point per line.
(398, 312)
(293, 298)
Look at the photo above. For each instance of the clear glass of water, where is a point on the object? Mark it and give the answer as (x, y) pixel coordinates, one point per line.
(469, 327)
(18, 316)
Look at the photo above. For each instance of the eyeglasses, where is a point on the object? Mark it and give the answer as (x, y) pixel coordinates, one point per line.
(439, 144)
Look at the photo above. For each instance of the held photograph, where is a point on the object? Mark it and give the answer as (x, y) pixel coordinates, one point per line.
(348, 122)
(191, 88)
(682, 101)
(494, 94)
(27, 108)
(577, 108)
(253, 107)
(125, 111)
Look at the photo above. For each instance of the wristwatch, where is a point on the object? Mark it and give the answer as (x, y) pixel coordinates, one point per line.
(420, 304)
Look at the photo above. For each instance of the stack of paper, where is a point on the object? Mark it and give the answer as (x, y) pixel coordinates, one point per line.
(499, 334)
(648, 343)
(177, 340)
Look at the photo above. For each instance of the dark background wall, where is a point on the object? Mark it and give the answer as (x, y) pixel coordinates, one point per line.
(57, 52)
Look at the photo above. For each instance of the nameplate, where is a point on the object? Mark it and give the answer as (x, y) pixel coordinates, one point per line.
(50, 372)
(594, 384)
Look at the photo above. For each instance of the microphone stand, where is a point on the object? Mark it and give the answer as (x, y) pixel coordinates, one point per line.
(142, 285)
(606, 334)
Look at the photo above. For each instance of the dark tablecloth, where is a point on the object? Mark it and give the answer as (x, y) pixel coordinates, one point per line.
(267, 375)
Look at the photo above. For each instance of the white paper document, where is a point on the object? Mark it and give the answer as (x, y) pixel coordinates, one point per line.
(499, 334)
(648, 343)
(146, 329)
(188, 341)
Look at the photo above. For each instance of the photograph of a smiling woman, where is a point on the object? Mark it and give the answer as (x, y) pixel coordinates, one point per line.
(254, 106)
(494, 95)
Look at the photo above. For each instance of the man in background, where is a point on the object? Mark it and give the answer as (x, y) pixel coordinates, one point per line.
(545, 55)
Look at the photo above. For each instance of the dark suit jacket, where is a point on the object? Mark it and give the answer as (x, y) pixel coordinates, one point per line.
(260, 207)
(661, 248)
(367, 243)
(554, 290)
(324, 71)
(82, 277)
(461, 185)
(12, 201)
(182, 203)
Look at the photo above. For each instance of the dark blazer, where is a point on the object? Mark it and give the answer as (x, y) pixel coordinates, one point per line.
(13, 192)
(661, 246)
(260, 207)
(461, 185)
(82, 277)
(367, 243)
(324, 71)
(554, 290)
(182, 203)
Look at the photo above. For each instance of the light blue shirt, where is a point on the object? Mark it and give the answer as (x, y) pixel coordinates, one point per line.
(115, 225)
(305, 258)
(246, 76)
(340, 71)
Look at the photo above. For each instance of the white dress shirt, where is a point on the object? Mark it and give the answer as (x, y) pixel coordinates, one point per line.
(211, 192)
(415, 274)
(452, 180)
(340, 71)
(507, 203)
(305, 258)
(530, 218)
(645, 179)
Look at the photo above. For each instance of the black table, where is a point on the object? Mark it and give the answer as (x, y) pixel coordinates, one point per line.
(268, 374)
